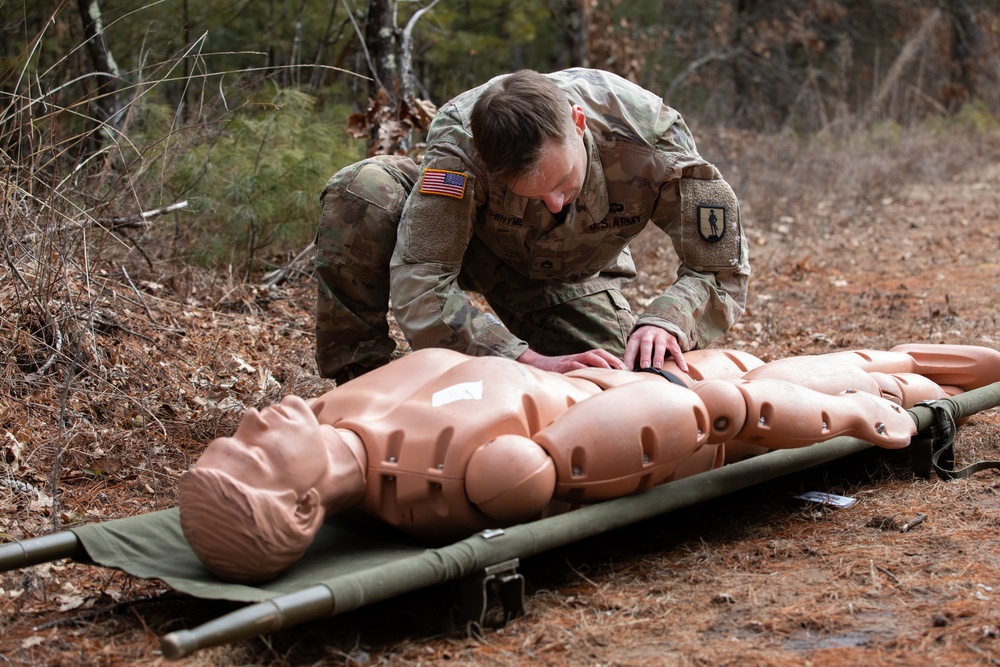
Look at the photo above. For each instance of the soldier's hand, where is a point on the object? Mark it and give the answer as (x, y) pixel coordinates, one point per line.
(572, 362)
(650, 345)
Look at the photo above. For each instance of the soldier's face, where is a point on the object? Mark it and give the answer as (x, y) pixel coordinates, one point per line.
(562, 168)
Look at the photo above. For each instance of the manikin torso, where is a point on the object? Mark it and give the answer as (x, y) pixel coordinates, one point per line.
(420, 433)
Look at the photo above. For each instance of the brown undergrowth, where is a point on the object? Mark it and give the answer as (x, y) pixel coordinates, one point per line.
(854, 246)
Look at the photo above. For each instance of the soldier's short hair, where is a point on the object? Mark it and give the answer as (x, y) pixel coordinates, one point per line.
(514, 117)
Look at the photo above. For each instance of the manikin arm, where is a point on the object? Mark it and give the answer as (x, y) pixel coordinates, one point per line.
(634, 436)
(600, 448)
(778, 414)
(963, 367)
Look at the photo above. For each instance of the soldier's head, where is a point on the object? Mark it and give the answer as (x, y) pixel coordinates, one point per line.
(530, 136)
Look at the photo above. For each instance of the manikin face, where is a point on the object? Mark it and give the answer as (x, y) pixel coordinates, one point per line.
(562, 168)
(280, 448)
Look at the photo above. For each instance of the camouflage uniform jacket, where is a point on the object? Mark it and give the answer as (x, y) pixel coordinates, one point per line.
(639, 152)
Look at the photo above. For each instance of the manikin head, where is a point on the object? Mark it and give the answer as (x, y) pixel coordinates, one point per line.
(254, 501)
(530, 136)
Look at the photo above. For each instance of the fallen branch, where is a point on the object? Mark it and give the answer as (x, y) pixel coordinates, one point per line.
(693, 67)
(112, 224)
(141, 220)
(279, 276)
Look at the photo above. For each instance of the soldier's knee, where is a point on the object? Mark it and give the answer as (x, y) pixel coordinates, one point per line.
(383, 181)
(375, 185)
(362, 205)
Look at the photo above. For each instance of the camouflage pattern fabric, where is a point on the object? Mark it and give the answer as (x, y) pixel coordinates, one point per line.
(361, 207)
(639, 152)
(601, 320)
(353, 283)
(554, 283)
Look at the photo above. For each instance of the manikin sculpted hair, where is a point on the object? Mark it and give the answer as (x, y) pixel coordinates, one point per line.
(241, 534)
(514, 118)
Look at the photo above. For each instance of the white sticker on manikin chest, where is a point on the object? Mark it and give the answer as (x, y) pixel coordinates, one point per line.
(463, 391)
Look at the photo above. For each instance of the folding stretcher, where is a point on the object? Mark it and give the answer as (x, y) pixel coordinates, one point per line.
(351, 564)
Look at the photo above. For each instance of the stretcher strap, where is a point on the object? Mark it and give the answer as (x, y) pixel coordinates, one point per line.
(934, 447)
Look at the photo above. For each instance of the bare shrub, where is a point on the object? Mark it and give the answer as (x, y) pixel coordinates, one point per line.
(112, 227)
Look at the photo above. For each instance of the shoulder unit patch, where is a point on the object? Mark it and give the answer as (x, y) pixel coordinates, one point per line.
(712, 222)
(711, 237)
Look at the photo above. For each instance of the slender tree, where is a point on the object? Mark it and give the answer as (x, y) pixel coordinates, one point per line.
(104, 100)
(571, 18)
(966, 45)
(394, 111)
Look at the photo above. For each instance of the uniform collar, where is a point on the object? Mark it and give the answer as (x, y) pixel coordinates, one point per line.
(594, 195)
(593, 199)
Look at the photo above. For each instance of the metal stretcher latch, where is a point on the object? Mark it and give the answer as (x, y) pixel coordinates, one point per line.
(501, 582)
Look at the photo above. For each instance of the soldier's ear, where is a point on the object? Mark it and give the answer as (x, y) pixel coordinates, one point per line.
(579, 118)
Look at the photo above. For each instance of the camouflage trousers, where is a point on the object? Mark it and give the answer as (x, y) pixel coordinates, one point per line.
(361, 208)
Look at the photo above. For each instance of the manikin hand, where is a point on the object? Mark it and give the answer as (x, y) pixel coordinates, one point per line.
(650, 345)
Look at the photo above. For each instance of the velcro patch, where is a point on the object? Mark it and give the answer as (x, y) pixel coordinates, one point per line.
(710, 224)
(443, 182)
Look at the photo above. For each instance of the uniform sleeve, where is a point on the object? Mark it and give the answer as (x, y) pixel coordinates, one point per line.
(700, 213)
(700, 306)
(433, 235)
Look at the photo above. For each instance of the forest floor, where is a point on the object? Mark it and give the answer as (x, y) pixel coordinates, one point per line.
(756, 577)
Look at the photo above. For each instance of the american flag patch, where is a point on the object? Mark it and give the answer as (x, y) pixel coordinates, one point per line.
(441, 182)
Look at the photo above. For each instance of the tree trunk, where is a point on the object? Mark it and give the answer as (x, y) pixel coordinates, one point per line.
(380, 36)
(965, 48)
(104, 103)
(571, 17)
(742, 89)
(393, 110)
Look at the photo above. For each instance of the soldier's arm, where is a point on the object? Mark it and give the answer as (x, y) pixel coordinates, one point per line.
(434, 232)
(701, 214)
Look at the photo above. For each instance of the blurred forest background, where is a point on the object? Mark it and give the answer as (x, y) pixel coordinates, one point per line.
(172, 149)
(230, 115)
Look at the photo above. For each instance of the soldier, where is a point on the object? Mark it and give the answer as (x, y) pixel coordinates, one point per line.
(530, 190)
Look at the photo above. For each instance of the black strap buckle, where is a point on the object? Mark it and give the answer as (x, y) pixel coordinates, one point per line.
(933, 447)
(670, 377)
